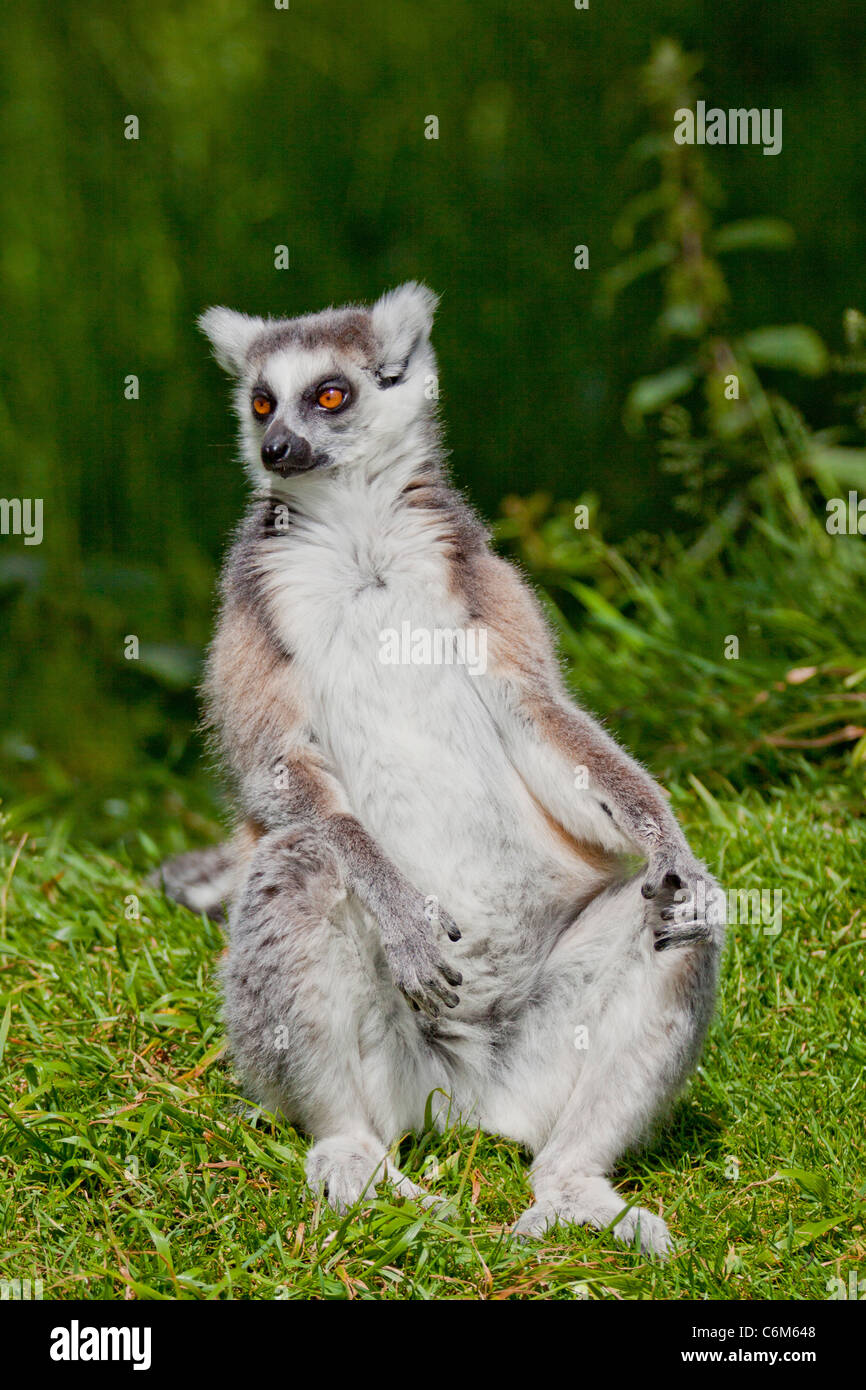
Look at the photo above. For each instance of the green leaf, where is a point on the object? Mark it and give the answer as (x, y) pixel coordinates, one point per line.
(754, 234)
(633, 268)
(174, 666)
(652, 393)
(605, 612)
(835, 467)
(4, 1028)
(638, 210)
(714, 810)
(29, 1133)
(816, 1184)
(170, 1020)
(792, 346)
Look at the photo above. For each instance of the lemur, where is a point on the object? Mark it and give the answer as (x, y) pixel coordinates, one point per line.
(432, 883)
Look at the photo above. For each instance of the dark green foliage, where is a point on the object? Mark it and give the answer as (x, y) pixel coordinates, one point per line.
(261, 127)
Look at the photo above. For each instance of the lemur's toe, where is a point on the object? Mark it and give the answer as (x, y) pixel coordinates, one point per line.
(681, 934)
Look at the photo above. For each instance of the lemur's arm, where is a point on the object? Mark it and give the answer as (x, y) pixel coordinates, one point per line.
(256, 707)
(578, 773)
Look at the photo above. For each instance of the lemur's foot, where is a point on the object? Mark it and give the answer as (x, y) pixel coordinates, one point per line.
(677, 934)
(345, 1169)
(594, 1203)
(682, 906)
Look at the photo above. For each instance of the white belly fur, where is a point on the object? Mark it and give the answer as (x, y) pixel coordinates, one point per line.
(414, 746)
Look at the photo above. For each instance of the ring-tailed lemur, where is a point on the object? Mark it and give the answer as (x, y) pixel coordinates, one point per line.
(430, 889)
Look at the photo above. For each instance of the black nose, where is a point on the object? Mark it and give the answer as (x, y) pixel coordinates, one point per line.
(285, 452)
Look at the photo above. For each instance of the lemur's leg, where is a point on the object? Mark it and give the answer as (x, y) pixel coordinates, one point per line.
(317, 1028)
(626, 996)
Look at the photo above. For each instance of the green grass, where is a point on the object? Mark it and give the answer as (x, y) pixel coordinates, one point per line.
(130, 1167)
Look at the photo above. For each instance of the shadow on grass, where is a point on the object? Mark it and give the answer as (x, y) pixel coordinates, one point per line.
(690, 1132)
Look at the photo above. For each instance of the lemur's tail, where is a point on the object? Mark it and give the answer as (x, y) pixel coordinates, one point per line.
(204, 880)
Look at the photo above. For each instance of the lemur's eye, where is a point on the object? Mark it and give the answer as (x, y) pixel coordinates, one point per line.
(262, 404)
(330, 397)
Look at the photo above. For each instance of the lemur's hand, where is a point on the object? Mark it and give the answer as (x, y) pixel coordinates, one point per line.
(670, 867)
(683, 904)
(410, 936)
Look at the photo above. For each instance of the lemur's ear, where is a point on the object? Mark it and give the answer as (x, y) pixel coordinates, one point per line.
(402, 320)
(230, 335)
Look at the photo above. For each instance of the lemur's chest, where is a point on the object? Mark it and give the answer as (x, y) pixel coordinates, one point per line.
(357, 597)
(390, 666)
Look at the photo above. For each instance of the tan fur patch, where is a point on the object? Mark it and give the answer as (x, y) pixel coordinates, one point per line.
(519, 642)
(248, 686)
(604, 861)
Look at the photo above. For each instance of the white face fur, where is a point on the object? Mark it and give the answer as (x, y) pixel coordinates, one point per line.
(337, 390)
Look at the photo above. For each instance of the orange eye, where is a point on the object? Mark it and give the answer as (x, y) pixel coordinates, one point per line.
(331, 397)
(262, 405)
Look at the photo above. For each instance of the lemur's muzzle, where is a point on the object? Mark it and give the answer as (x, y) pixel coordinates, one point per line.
(286, 453)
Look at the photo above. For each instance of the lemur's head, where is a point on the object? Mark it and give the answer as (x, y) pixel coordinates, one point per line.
(335, 388)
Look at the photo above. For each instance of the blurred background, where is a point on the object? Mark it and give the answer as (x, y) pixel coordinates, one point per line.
(602, 387)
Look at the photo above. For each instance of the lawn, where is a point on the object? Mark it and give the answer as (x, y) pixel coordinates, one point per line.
(134, 1168)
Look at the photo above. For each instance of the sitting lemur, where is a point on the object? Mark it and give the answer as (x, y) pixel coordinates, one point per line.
(432, 884)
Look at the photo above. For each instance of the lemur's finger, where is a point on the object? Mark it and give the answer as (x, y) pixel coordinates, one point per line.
(420, 1002)
(652, 884)
(450, 926)
(452, 976)
(447, 996)
(655, 876)
(682, 935)
(673, 914)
